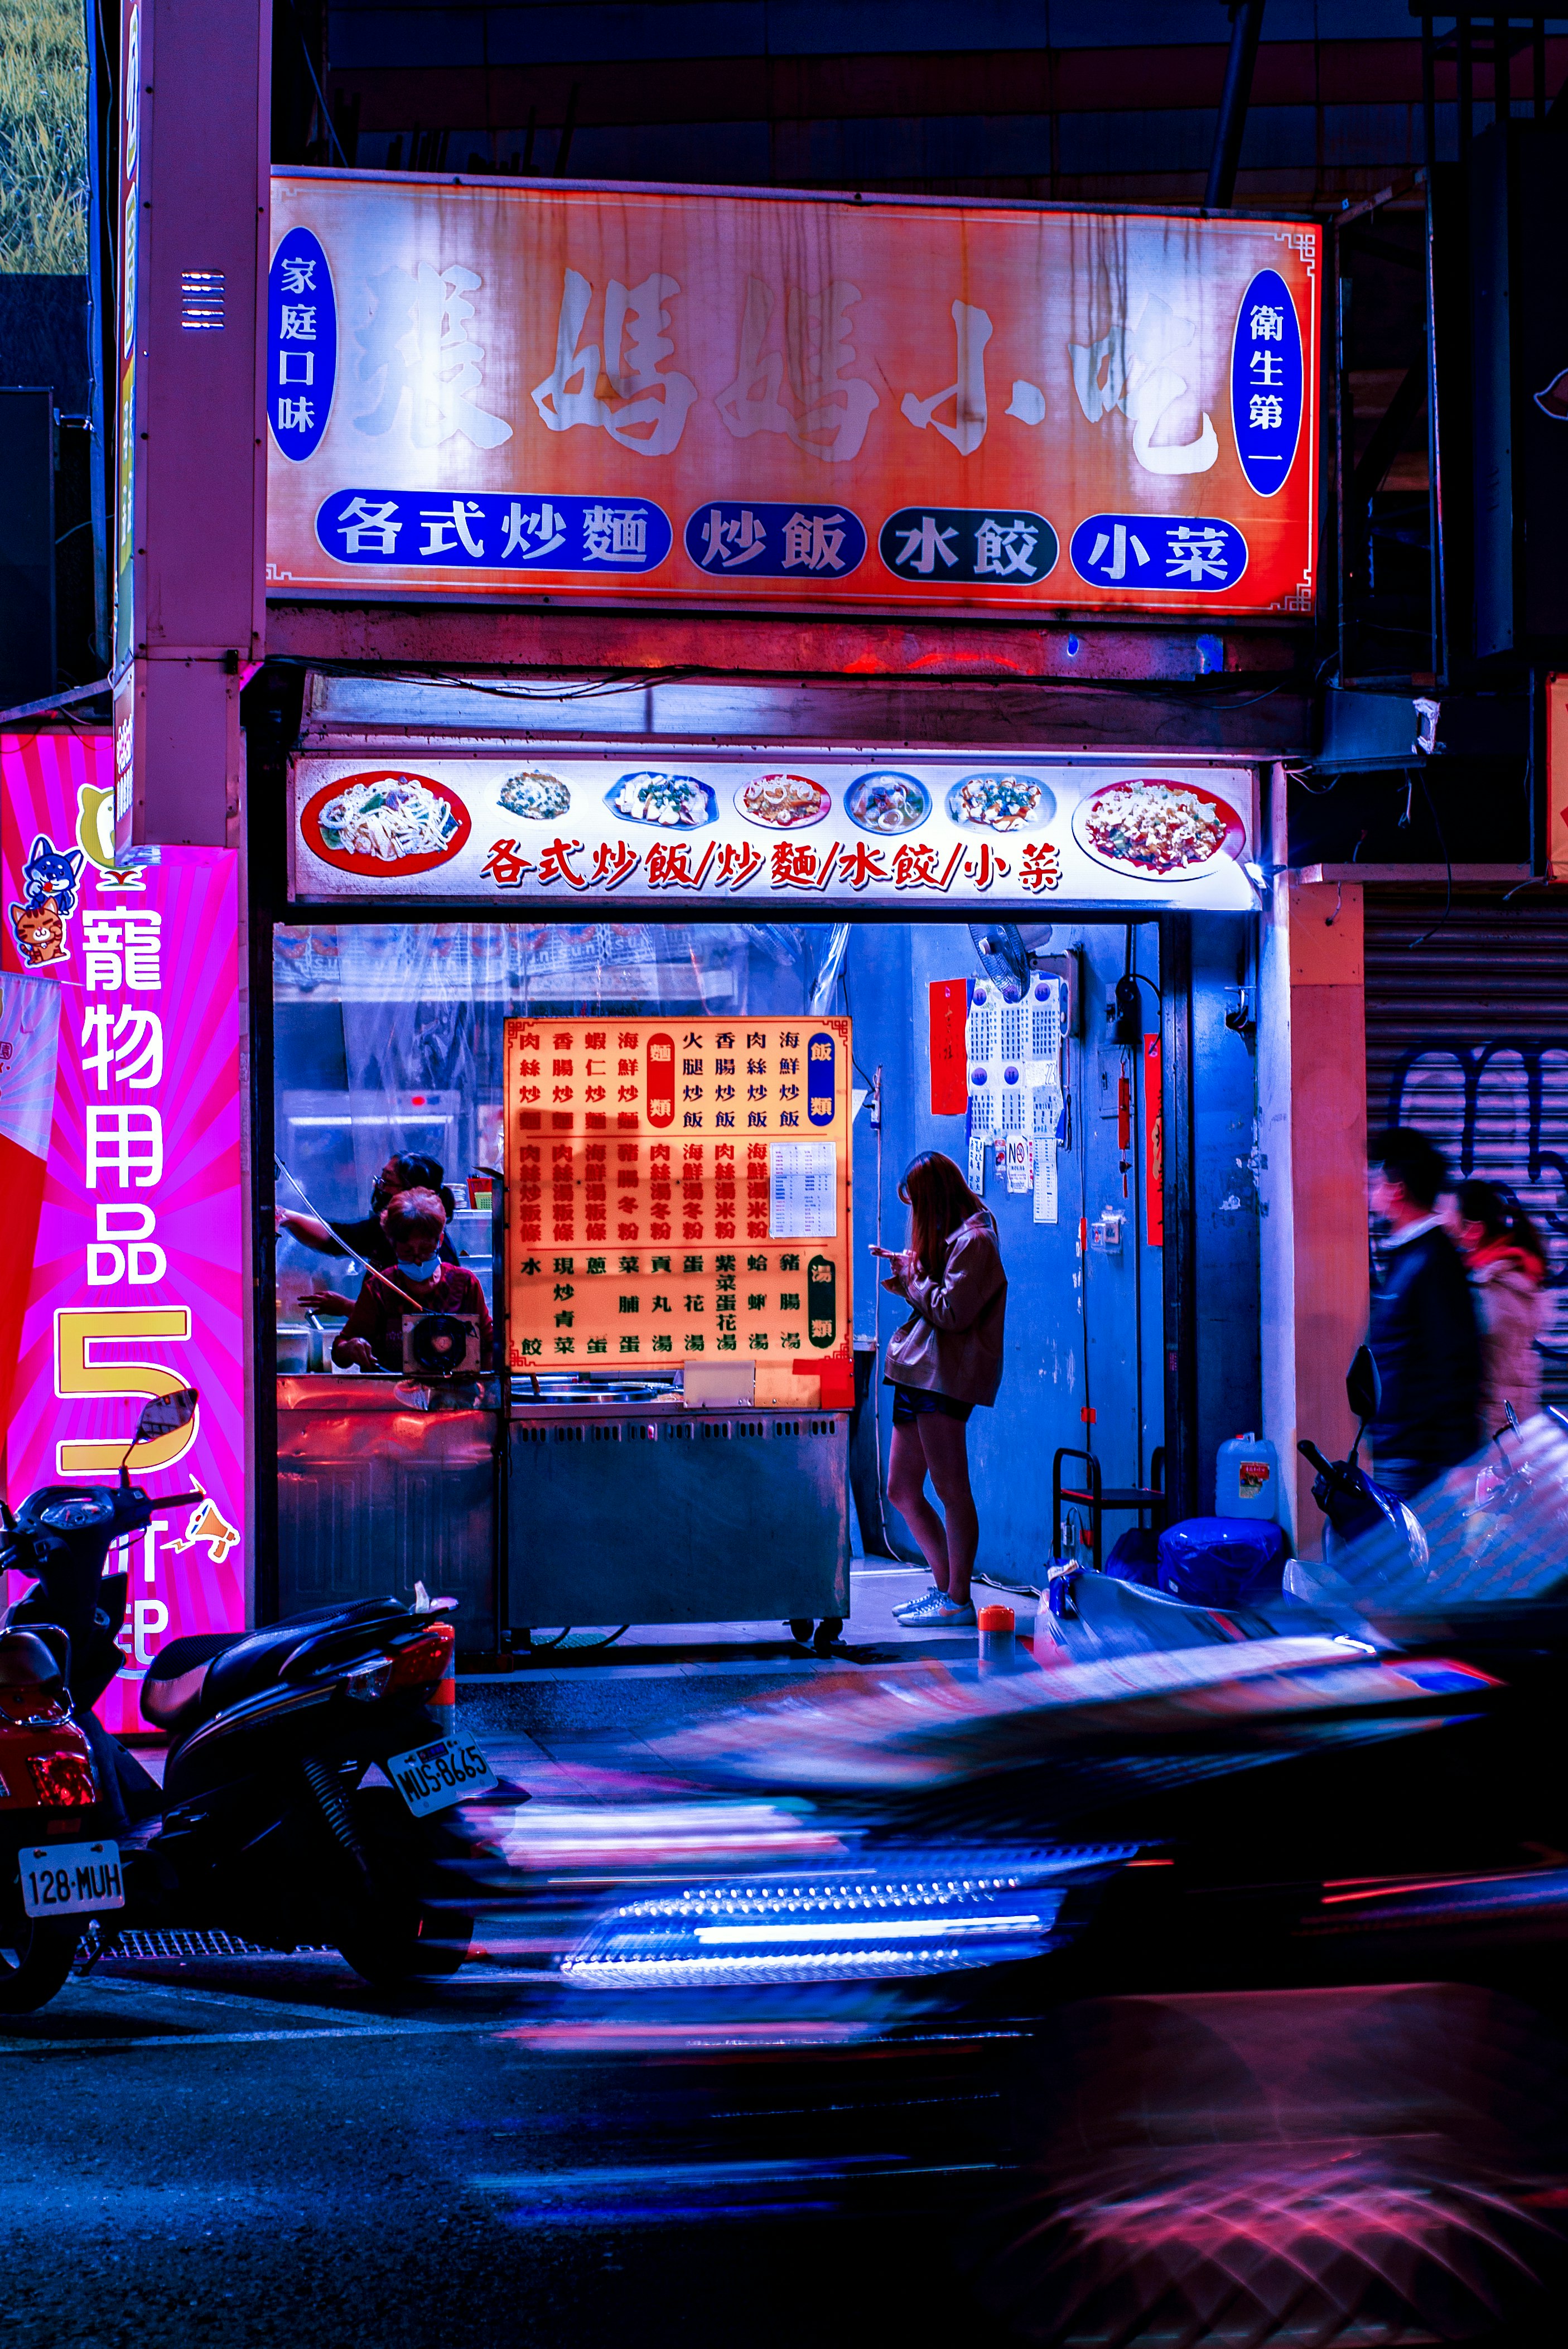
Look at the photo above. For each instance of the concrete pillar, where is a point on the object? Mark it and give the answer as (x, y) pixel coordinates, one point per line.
(1311, 1068)
(194, 125)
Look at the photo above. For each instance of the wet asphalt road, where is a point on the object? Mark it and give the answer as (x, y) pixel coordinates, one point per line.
(244, 2150)
(236, 2152)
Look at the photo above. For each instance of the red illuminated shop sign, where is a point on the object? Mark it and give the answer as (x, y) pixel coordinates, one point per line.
(493, 391)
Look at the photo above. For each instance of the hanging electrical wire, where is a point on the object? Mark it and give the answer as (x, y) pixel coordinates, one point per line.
(564, 689)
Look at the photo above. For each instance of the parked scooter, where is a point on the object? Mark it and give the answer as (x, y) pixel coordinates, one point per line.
(265, 1826)
(1359, 1511)
(1120, 1616)
(59, 1857)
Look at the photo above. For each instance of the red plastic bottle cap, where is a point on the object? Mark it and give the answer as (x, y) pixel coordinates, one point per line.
(996, 1618)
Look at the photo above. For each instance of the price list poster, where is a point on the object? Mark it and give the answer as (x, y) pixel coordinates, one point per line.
(679, 1191)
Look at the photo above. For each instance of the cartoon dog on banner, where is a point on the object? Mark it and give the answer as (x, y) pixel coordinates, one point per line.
(51, 880)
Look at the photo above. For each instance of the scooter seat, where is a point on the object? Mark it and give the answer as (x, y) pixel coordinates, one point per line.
(177, 1676)
(190, 1680)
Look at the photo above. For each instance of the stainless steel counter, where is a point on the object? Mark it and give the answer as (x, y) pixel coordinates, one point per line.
(636, 1511)
(649, 1513)
(376, 1494)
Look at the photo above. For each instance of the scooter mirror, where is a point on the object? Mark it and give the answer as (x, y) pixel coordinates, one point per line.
(1512, 1417)
(161, 1414)
(1363, 1387)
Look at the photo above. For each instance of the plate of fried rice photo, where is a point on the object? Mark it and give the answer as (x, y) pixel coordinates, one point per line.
(1155, 830)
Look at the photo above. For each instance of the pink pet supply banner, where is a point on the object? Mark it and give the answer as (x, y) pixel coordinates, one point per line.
(29, 1033)
(136, 1281)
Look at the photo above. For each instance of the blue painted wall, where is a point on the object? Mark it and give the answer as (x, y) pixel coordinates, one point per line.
(1073, 1321)
(1082, 1329)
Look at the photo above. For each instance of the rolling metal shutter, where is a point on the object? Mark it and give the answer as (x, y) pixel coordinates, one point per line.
(1466, 1038)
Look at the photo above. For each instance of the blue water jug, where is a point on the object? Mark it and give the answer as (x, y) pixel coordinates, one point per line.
(1246, 1478)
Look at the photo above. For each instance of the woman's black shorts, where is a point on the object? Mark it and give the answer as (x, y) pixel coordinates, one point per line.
(910, 1403)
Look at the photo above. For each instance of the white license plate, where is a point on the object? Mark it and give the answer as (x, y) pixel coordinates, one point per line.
(71, 1879)
(428, 1777)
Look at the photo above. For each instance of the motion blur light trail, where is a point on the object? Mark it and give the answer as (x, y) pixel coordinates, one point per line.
(658, 2193)
(913, 1874)
(967, 1909)
(1508, 1548)
(1362, 2167)
(1352, 2245)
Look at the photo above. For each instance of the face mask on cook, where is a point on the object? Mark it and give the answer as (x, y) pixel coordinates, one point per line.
(420, 1271)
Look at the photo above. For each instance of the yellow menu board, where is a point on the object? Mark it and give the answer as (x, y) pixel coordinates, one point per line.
(679, 1190)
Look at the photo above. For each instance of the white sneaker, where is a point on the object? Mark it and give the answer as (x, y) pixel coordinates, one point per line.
(924, 1610)
(944, 1614)
(908, 1607)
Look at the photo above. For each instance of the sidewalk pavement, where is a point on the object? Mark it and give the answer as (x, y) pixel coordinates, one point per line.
(567, 1724)
(876, 1587)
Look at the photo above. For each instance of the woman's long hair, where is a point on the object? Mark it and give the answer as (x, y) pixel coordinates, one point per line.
(939, 1200)
(1501, 1217)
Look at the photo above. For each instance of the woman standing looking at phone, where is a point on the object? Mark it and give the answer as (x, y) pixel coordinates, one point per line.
(946, 1358)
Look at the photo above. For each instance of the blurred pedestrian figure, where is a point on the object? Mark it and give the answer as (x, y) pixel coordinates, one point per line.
(1422, 1328)
(946, 1358)
(1505, 1257)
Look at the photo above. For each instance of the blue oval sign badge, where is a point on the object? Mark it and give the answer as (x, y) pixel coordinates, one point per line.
(776, 541)
(301, 345)
(1267, 383)
(941, 545)
(820, 1086)
(1158, 554)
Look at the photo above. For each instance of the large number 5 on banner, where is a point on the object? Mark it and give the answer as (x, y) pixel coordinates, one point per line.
(75, 1373)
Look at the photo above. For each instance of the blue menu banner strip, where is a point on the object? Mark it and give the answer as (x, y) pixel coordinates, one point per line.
(490, 531)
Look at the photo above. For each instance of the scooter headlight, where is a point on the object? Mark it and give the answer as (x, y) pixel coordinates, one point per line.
(960, 1913)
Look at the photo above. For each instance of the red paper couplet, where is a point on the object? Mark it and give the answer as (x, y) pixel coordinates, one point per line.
(949, 1062)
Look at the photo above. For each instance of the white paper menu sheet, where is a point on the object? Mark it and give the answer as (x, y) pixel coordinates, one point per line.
(803, 1191)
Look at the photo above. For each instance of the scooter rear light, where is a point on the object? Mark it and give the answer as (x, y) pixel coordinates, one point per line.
(421, 1664)
(423, 1661)
(368, 1681)
(65, 1781)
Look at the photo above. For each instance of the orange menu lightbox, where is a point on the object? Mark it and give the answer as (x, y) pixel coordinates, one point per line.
(679, 1190)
